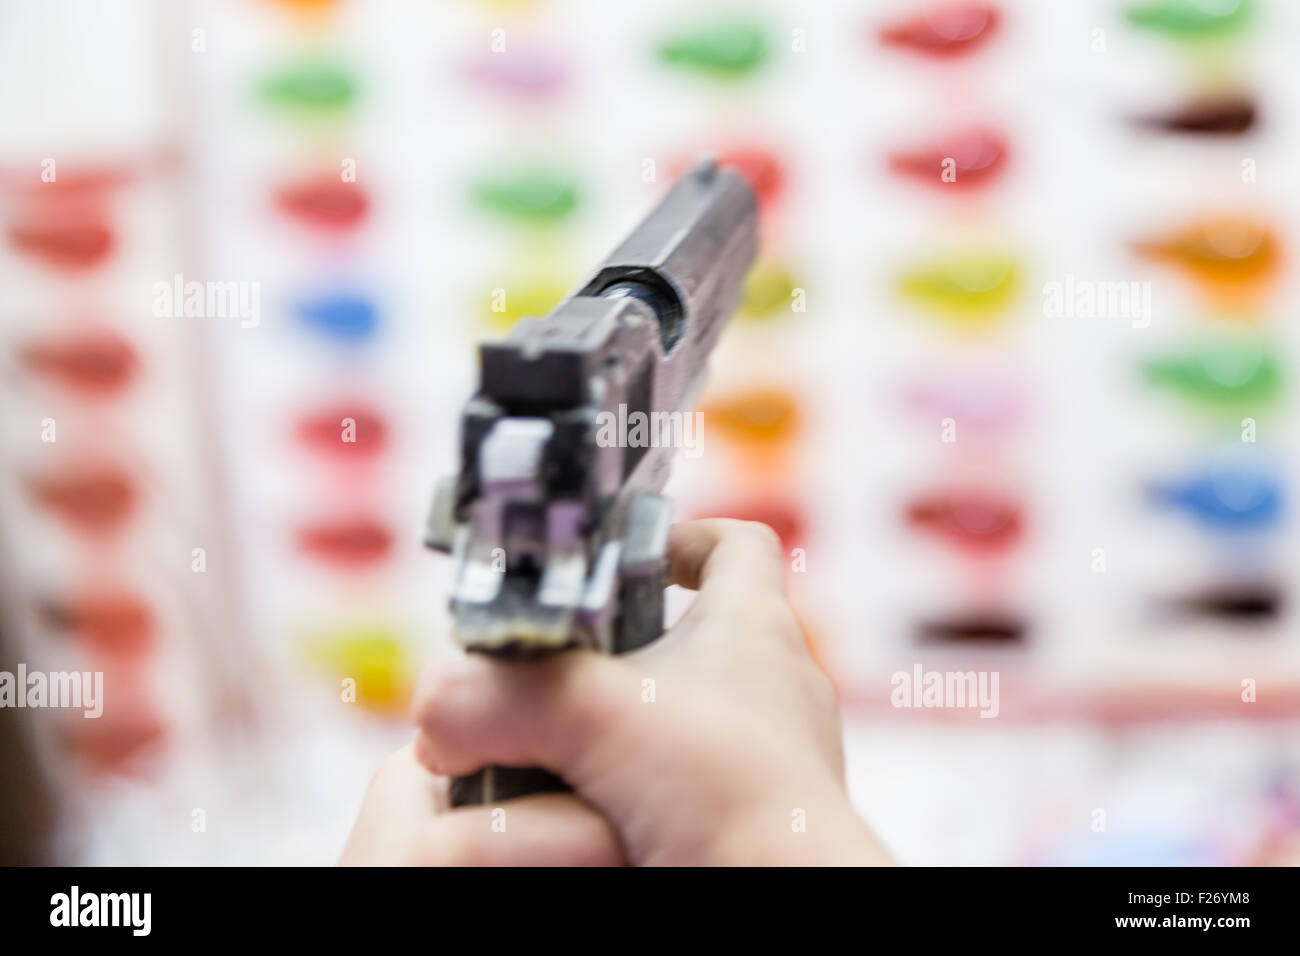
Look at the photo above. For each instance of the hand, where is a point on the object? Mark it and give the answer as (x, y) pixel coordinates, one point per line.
(403, 822)
(718, 744)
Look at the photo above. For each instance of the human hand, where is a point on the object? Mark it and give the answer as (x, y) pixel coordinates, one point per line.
(405, 821)
(718, 744)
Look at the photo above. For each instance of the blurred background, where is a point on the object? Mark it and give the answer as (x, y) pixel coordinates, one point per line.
(1011, 379)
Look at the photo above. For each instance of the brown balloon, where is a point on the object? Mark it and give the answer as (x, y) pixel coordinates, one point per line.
(1219, 116)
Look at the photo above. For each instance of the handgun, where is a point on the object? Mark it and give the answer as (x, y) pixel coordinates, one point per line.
(556, 523)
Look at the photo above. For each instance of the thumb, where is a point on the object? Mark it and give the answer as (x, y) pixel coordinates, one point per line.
(475, 710)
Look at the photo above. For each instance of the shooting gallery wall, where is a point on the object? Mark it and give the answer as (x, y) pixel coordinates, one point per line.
(1011, 379)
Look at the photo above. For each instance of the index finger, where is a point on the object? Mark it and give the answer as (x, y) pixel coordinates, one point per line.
(725, 554)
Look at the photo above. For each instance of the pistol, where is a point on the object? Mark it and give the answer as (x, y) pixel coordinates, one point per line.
(556, 522)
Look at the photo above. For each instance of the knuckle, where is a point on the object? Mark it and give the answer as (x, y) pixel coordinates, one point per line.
(761, 535)
(590, 699)
(442, 687)
(427, 753)
(596, 702)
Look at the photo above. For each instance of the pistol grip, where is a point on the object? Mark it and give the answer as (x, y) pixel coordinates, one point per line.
(493, 785)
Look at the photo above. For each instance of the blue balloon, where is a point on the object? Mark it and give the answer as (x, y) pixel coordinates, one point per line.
(345, 317)
(1227, 498)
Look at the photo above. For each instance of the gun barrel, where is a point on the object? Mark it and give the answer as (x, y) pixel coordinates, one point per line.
(684, 266)
(691, 254)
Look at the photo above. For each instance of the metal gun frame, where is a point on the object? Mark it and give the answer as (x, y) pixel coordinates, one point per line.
(559, 540)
